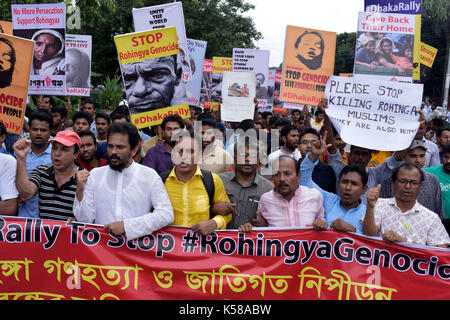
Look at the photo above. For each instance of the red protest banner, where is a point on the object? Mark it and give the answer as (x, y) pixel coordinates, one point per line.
(43, 259)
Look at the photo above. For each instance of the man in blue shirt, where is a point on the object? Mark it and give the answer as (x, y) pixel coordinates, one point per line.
(41, 124)
(343, 212)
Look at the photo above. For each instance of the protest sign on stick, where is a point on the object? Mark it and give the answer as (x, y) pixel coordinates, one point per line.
(257, 61)
(78, 64)
(378, 115)
(238, 93)
(197, 49)
(15, 55)
(152, 75)
(46, 25)
(307, 65)
(6, 27)
(219, 66)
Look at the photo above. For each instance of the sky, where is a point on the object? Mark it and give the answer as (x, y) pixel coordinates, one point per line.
(272, 16)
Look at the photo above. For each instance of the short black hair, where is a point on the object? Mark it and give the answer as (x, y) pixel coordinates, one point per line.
(282, 122)
(406, 166)
(87, 133)
(50, 100)
(446, 149)
(247, 124)
(41, 115)
(82, 114)
(265, 114)
(117, 115)
(207, 119)
(103, 115)
(128, 129)
(173, 118)
(61, 110)
(2, 129)
(286, 129)
(358, 169)
(309, 130)
(441, 129)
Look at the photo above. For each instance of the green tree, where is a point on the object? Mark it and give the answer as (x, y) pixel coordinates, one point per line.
(345, 53)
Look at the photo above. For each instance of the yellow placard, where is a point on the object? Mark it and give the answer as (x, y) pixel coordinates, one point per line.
(417, 41)
(155, 117)
(427, 54)
(140, 46)
(17, 55)
(6, 27)
(220, 64)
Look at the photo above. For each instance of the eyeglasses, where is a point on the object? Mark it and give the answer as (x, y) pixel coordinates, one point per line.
(306, 142)
(404, 182)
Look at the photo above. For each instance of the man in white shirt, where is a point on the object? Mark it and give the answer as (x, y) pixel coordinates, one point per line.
(122, 194)
(290, 137)
(8, 191)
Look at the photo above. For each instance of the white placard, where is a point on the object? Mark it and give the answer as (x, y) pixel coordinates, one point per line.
(78, 64)
(238, 92)
(378, 115)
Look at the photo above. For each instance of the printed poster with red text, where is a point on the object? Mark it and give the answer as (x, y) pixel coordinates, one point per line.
(78, 64)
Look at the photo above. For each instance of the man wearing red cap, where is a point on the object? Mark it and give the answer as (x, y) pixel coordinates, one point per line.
(55, 183)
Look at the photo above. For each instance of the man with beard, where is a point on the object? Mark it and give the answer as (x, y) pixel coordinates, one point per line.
(55, 183)
(343, 212)
(7, 62)
(41, 124)
(310, 47)
(88, 158)
(402, 218)
(152, 84)
(159, 157)
(125, 191)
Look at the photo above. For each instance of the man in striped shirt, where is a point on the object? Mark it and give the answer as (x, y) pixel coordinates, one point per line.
(55, 183)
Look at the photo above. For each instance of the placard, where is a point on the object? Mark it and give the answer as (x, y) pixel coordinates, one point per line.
(46, 25)
(238, 93)
(6, 27)
(197, 49)
(78, 64)
(378, 115)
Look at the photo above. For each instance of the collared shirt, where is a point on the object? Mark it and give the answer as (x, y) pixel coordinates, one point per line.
(246, 198)
(432, 157)
(7, 177)
(30, 208)
(281, 152)
(305, 207)
(215, 158)
(444, 182)
(332, 202)
(430, 195)
(55, 203)
(190, 200)
(128, 196)
(419, 225)
(158, 158)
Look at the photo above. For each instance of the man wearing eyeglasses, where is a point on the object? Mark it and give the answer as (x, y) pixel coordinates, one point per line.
(402, 218)
(430, 195)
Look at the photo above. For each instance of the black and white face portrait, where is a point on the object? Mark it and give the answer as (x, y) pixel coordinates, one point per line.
(216, 87)
(77, 69)
(151, 84)
(310, 47)
(7, 62)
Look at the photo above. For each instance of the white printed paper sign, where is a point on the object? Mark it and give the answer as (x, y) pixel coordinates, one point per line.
(378, 115)
(238, 92)
(78, 64)
(164, 16)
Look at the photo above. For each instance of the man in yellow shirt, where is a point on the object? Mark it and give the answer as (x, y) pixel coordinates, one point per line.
(188, 194)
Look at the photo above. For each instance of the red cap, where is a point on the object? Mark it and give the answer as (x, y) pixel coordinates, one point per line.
(67, 138)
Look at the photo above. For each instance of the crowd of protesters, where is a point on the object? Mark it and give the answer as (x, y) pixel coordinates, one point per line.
(290, 170)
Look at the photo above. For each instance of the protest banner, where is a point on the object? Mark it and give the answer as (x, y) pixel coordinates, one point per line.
(427, 54)
(385, 46)
(206, 82)
(413, 7)
(197, 49)
(257, 61)
(219, 66)
(15, 56)
(46, 25)
(152, 97)
(238, 93)
(78, 64)
(52, 260)
(6, 27)
(369, 113)
(164, 16)
(307, 65)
